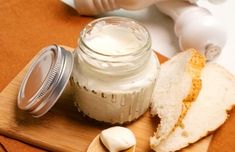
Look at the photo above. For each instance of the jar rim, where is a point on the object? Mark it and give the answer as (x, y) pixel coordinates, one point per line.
(117, 19)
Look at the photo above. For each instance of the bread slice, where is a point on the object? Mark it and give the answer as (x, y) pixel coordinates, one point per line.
(177, 87)
(207, 113)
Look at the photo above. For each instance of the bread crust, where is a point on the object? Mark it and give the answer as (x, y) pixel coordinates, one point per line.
(196, 64)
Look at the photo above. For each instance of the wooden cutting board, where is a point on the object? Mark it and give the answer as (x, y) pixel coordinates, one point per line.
(63, 128)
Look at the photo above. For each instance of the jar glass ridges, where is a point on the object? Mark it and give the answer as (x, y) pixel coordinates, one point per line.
(115, 70)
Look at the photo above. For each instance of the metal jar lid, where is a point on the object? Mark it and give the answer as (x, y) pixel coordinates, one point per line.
(45, 80)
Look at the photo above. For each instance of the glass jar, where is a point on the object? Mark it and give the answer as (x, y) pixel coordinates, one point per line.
(114, 70)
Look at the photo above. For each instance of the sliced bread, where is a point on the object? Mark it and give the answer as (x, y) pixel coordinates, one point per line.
(207, 113)
(177, 87)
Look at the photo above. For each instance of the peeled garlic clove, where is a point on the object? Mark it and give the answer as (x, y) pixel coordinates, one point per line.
(117, 138)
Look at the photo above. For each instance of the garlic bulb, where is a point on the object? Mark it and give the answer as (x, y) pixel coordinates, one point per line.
(211, 1)
(96, 7)
(195, 27)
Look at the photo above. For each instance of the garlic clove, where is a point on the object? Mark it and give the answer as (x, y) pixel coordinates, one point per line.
(117, 138)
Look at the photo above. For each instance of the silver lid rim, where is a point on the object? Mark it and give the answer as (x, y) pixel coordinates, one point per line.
(58, 63)
(32, 101)
(61, 83)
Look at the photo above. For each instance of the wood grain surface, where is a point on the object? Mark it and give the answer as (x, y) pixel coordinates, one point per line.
(26, 27)
(63, 128)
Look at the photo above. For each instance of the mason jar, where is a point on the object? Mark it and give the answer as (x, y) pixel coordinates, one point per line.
(114, 70)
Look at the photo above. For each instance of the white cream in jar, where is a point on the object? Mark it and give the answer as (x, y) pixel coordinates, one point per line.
(114, 71)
